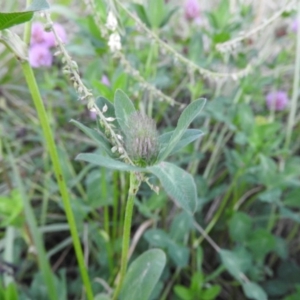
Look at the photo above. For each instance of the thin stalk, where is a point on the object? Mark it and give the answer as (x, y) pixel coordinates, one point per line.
(217, 148)
(107, 221)
(35, 233)
(116, 189)
(133, 188)
(293, 108)
(51, 147)
(124, 186)
(8, 255)
(27, 29)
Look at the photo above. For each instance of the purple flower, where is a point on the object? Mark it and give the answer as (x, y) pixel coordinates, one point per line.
(277, 100)
(93, 115)
(40, 36)
(50, 38)
(37, 33)
(40, 56)
(191, 9)
(105, 80)
(295, 25)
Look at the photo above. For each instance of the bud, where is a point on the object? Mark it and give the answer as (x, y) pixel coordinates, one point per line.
(141, 139)
(105, 108)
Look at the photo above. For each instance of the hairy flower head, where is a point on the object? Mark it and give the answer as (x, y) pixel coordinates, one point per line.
(41, 37)
(141, 139)
(277, 100)
(191, 9)
(40, 56)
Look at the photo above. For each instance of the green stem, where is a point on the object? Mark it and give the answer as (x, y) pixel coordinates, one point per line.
(50, 144)
(293, 108)
(133, 188)
(43, 262)
(107, 222)
(115, 206)
(27, 29)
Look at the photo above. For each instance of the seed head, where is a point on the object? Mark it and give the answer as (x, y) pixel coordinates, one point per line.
(141, 139)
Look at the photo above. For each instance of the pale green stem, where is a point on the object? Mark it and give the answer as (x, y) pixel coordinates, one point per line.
(8, 256)
(50, 144)
(133, 188)
(27, 30)
(107, 221)
(293, 108)
(34, 233)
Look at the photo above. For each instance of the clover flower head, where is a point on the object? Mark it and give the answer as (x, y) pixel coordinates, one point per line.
(114, 42)
(60, 31)
(40, 36)
(191, 9)
(37, 33)
(40, 56)
(277, 100)
(141, 140)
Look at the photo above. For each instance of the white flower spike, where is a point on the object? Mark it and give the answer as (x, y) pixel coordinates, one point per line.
(114, 42)
(111, 22)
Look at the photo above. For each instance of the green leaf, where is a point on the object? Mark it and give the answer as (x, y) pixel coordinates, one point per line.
(10, 19)
(281, 248)
(11, 208)
(157, 238)
(188, 137)
(101, 102)
(107, 162)
(185, 119)
(183, 293)
(143, 275)
(211, 293)
(240, 227)
(123, 109)
(254, 291)
(197, 282)
(168, 16)
(102, 297)
(292, 198)
(271, 195)
(236, 263)
(11, 292)
(179, 184)
(261, 242)
(94, 135)
(37, 5)
(179, 254)
(289, 214)
(155, 12)
(180, 227)
(140, 10)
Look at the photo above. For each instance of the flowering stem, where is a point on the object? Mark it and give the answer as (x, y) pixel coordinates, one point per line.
(27, 29)
(50, 144)
(293, 108)
(133, 188)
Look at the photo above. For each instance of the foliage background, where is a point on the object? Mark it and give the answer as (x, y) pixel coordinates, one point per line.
(246, 166)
